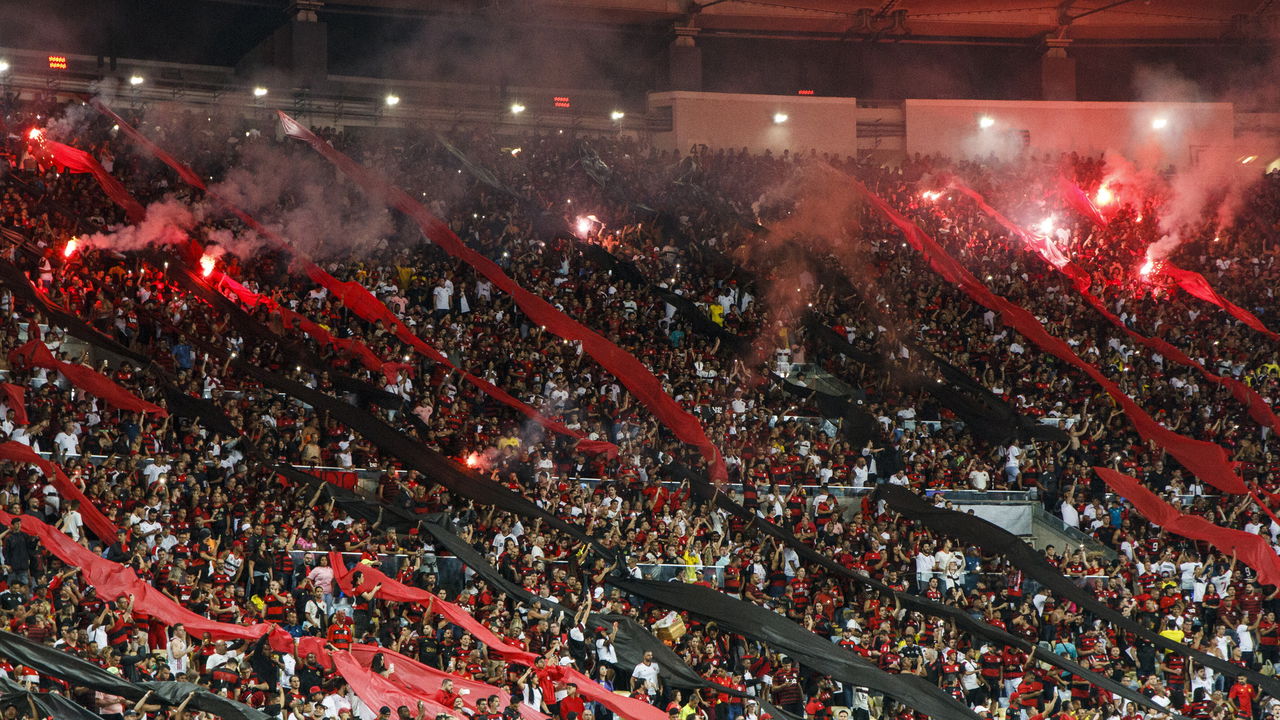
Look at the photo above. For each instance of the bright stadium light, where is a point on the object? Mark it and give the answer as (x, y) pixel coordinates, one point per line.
(780, 117)
(136, 80)
(392, 100)
(516, 108)
(259, 91)
(986, 121)
(4, 66)
(617, 115)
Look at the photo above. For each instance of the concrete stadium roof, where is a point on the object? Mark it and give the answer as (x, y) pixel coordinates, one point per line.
(1111, 20)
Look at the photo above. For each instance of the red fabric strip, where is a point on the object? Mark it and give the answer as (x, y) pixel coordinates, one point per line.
(15, 400)
(65, 157)
(392, 590)
(1251, 549)
(1205, 460)
(1191, 282)
(630, 372)
(1257, 408)
(293, 320)
(112, 580)
(417, 677)
(360, 301)
(377, 691)
(366, 306)
(14, 451)
(1079, 202)
(35, 354)
(399, 592)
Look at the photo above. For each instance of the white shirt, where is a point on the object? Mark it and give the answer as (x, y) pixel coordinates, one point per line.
(68, 444)
(71, 524)
(925, 563)
(606, 652)
(147, 526)
(1069, 515)
(1011, 456)
(333, 704)
(649, 675)
(441, 296)
(1244, 638)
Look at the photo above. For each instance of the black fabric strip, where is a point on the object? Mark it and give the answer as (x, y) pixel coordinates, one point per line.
(810, 650)
(631, 642)
(48, 704)
(970, 529)
(961, 618)
(72, 669)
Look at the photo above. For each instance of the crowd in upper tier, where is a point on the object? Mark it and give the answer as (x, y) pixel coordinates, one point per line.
(767, 246)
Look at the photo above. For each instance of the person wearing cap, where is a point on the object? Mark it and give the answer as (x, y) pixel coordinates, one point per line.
(19, 550)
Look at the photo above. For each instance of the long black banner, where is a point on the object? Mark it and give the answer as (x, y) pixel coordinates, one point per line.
(973, 530)
(810, 650)
(83, 673)
(961, 618)
(632, 640)
(46, 704)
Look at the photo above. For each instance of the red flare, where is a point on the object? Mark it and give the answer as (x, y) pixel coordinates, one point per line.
(72, 245)
(207, 263)
(35, 134)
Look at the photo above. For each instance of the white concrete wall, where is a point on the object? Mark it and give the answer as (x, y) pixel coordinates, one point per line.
(735, 121)
(953, 127)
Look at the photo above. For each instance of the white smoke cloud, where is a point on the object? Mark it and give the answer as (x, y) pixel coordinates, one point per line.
(298, 197)
(168, 222)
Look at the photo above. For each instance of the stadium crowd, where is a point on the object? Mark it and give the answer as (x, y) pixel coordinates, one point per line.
(218, 532)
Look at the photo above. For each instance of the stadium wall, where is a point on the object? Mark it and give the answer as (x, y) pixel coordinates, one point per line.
(1154, 134)
(734, 121)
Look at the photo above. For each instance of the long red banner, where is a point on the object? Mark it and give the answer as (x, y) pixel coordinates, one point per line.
(630, 372)
(15, 451)
(1191, 282)
(1253, 550)
(359, 300)
(625, 706)
(1256, 406)
(65, 157)
(1205, 460)
(35, 354)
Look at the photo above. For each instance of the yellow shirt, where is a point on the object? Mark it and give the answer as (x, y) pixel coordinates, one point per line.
(691, 562)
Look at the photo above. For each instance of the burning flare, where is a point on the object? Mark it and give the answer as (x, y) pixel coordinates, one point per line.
(72, 245)
(473, 460)
(1104, 196)
(1147, 268)
(207, 264)
(35, 134)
